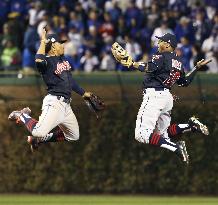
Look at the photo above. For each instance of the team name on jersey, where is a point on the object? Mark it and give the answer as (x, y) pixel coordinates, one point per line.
(176, 64)
(65, 65)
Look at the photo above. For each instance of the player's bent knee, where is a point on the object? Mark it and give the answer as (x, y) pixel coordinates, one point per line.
(39, 133)
(142, 136)
(73, 137)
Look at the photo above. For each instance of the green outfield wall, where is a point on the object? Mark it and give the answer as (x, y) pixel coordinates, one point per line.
(107, 158)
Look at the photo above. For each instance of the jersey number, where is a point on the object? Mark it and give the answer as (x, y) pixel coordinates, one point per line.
(171, 80)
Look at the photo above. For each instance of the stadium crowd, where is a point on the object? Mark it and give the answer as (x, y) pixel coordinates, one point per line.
(92, 26)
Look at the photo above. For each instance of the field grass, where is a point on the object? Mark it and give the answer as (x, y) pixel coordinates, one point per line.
(103, 200)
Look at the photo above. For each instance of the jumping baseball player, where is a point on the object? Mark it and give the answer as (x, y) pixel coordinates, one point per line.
(162, 71)
(56, 109)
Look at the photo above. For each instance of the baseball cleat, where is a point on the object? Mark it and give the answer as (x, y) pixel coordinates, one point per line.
(196, 125)
(15, 115)
(33, 142)
(183, 155)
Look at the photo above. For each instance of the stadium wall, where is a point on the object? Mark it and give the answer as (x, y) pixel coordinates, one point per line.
(107, 159)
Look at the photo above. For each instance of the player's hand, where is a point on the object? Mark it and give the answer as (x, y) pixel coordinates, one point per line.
(87, 95)
(203, 62)
(43, 35)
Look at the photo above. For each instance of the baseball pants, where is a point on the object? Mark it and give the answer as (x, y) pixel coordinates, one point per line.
(154, 114)
(56, 112)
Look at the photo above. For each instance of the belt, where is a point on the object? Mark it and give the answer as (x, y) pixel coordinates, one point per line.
(160, 89)
(156, 89)
(63, 99)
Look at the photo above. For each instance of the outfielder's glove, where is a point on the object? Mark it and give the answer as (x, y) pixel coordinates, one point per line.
(95, 103)
(121, 55)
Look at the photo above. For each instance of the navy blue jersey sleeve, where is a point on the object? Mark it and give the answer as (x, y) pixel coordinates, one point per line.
(185, 80)
(76, 88)
(40, 65)
(155, 63)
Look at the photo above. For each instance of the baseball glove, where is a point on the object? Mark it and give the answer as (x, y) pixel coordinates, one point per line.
(121, 55)
(95, 103)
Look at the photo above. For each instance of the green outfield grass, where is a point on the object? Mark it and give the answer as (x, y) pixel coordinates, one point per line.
(103, 200)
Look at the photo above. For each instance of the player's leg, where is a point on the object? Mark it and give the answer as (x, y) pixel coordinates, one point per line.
(193, 125)
(153, 105)
(162, 127)
(67, 130)
(70, 125)
(51, 116)
(147, 118)
(56, 135)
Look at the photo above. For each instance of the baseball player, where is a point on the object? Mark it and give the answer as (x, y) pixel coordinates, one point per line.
(56, 109)
(162, 71)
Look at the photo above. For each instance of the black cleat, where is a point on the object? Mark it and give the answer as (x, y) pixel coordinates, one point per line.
(196, 125)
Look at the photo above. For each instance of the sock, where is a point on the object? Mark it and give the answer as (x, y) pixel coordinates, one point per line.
(158, 140)
(176, 129)
(56, 136)
(28, 121)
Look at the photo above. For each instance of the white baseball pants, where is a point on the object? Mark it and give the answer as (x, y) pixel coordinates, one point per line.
(154, 113)
(56, 113)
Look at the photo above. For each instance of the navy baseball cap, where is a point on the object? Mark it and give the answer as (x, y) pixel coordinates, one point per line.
(169, 38)
(54, 38)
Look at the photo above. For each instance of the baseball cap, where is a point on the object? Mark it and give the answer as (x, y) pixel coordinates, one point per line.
(169, 38)
(54, 38)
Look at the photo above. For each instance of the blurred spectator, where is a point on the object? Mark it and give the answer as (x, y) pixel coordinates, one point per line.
(4, 5)
(197, 55)
(133, 48)
(75, 37)
(6, 35)
(211, 7)
(211, 44)
(89, 62)
(17, 28)
(93, 41)
(153, 16)
(160, 31)
(142, 4)
(76, 22)
(121, 29)
(94, 25)
(107, 62)
(185, 28)
(36, 13)
(10, 57)
(107, 27)
(202, 27)
(178, 5)
(133, 14)
(18, 6)
(31, 38)
(115, 12)
(93, 19)
(186, 52)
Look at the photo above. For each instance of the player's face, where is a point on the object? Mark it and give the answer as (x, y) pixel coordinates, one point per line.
(58, 48)
(163, 46)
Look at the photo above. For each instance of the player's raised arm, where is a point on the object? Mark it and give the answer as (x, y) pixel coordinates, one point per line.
(188, 78)
(41, 49)
(40, 59)
(122, 56)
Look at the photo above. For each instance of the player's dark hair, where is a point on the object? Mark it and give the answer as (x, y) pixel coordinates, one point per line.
(48, 47)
